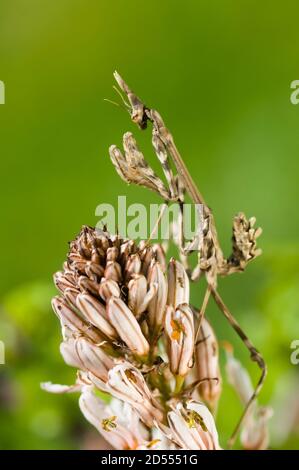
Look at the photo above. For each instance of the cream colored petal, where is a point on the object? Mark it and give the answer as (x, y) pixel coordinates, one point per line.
(93, 358)
(208, 420)
(100, 416)
(182, 433)
(127, 383)
(69, 353)
(57, 388)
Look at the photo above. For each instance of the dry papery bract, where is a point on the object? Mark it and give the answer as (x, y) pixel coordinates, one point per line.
(128, 326)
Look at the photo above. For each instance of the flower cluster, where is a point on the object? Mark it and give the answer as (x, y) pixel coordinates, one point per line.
(129, 329)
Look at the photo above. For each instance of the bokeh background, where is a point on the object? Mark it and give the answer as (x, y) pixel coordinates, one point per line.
(220, 74)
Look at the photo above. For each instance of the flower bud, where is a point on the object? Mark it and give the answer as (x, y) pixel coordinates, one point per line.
(127, 326)
(178, 284)
(72, 321)
(108, 288)
(179, 328)
(95, 312)
(156, 309)
(207, 363)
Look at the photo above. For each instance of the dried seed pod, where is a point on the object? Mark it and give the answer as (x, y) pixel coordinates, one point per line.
(244, 240)
(207, 364)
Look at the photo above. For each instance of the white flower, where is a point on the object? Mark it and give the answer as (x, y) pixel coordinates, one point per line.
(192, 427)
(117, 422)
(127, 383)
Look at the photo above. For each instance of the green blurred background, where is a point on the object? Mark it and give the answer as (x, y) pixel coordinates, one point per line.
(220, 74)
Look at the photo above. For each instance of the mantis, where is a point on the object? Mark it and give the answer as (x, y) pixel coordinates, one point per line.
(211, 262)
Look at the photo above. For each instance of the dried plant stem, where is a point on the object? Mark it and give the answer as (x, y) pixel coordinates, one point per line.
(157, 223)
(254, 355)
(203, 310)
